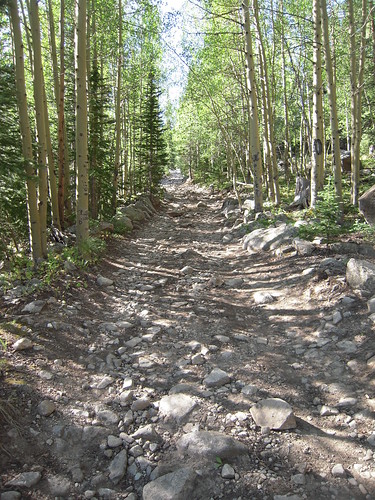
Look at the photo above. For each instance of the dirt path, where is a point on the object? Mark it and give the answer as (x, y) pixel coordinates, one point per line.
(182, 304)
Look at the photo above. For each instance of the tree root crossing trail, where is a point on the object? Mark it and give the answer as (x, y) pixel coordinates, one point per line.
(196, 370)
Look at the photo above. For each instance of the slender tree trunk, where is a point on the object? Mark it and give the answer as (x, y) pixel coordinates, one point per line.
(40, 104)
(317, 170)
(285, 99)
(332, 106)
(118, 113)
(255, 151)
(31, 176)
(356, 101)
(82, 218)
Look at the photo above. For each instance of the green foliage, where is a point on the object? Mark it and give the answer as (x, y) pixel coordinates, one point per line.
(218, 463)
(153, 148)
(13, 213)
(324, 220)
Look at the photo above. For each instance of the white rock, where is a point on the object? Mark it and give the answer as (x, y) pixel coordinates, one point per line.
(105, 382)
(263, 298)
(222, 338)
(273, 413)
(227, 472)
(176, 407)
(338, 471)
(23, 344)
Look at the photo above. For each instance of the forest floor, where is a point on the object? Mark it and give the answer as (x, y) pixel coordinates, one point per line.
(183, 303)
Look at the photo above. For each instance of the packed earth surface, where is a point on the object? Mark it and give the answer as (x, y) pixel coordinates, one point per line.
(186, 367)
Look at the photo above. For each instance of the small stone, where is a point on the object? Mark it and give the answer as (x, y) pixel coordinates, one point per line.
(26, 479)
(127, 383)
(336, 317)
(117, 467)
(338, 471)
(136, 451)
(46, 408)
(125, 397)
(10, 495)
(347, 402)
(133, 342)
(299, 479)
(227, 472)
(249, 390)
(141, 404)
(102, 281)
(371, 305)
(261, 298)
(59, 486)
(327, 411)
(107, 417)
(197, 359)
(105, 382)
(34, 307)
(187, 270)
(223, 339)
(216, 378)
(23, 344)
(114, 441)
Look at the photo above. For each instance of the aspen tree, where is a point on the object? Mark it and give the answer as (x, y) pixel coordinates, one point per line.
(31, 175)
(82, 210)
(39, 97)
(332, 105)
(317, 168)
(254, 141)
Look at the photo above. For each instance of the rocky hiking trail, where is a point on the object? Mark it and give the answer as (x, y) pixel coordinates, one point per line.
(190, 368)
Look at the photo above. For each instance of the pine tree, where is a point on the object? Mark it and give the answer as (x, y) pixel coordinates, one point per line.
(153, 150)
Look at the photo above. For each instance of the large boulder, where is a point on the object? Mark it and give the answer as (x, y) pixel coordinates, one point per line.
(134, 214)
(360, 275)
(367, 205)
(269, 239)
(122, 224)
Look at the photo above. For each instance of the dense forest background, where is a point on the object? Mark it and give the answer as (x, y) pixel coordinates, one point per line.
(273, 90)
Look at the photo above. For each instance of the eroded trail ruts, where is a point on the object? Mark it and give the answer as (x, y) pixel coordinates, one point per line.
(182, 305)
